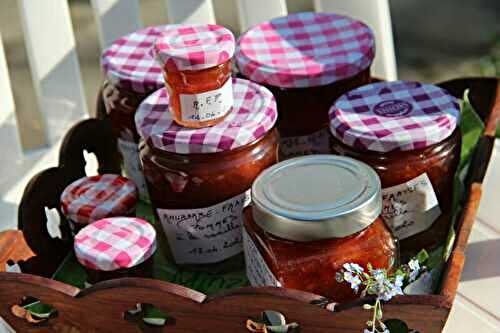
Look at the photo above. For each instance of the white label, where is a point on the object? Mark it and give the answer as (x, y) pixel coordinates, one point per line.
(208, 105)
(258, 273)
(316, 143)
(132, 165)
(411, 207)
(205, 235)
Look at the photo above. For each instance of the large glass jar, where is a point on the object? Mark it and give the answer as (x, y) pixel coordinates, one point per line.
(199, 179)
(196, 61)
(307, 60)
(407, 131)
(311, 215)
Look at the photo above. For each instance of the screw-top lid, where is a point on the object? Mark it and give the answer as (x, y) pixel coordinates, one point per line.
(92, 198)
(252, 116)
(194, 46)
(316, 197)
(115, 243)
(305, 50)
(391, 116)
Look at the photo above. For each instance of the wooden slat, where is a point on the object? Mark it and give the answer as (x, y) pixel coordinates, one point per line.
(190, 11)
(251, 12)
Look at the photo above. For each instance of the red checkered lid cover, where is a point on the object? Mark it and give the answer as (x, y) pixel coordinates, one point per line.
(92, 198)
(115, 243)
(392, 116)
(194, 46)
(305, 50)
(128, 62)
(252, 116)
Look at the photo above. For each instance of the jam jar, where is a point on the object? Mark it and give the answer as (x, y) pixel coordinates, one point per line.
(116, 247)
(307, 60)
(196, 62)
(199, 179)
(132, 74)
(408, 132)
(310, 215)
(89, 199)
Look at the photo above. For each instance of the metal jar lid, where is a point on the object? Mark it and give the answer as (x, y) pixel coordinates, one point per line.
(316, 197)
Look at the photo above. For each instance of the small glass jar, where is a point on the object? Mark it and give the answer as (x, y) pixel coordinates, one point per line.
(132, 74)
(408, 132)
(89, 199)
(199, 179)
(196, 62)
(307, 60)
(311, 215)
(116, 247)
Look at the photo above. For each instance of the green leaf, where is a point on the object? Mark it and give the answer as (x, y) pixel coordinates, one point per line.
(273, 318)
(422, 256)
(472, 128)
(153, 315)
(396, 326)
(40, 309)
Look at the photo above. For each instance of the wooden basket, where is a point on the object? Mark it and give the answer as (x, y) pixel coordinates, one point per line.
(102, 307)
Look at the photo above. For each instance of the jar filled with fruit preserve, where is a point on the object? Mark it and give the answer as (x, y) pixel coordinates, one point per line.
(116, 247)
(132, 74)
(307, 60)
(408, 132)
(311, 215)
(196, 62)
(89, 199)
(199, 179)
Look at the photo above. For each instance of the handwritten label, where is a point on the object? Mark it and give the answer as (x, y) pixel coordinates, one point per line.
(258, 273)
(208, 105)
(316, 143)
(132, 166)
(205, 235)
(411, 207)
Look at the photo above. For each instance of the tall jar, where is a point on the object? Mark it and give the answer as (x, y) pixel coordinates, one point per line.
(132, 74)
(408, 132)
(199, 179)
(307, 60)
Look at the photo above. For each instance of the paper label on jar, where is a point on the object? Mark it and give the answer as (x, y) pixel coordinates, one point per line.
(208, 105)
(205, 235)
(411, 207)
(132, 166)
(258, 273)
(315, 143)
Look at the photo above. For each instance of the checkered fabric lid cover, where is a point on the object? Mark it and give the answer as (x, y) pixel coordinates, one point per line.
(194, 46)
(253, 115)
(305, 50)
(129, 63)
(115, 243)
(92, 198)
(392, 116)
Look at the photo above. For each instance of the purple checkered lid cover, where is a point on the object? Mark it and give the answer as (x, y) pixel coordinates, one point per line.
(129, 63)
(194, 46)
(115, 243)
(305, 50)
(252, 116)
(394, 116)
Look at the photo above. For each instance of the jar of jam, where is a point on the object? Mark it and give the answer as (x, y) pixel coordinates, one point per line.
(407, 131)
(307, 60)
(310, 215)
(132, 74)
(199, 179)
(196, 61)
(116, 247)
(89, 199)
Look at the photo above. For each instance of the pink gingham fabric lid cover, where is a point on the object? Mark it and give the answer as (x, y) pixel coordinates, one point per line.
(194, 46)
(305, 50)
(92, 198)
(128, 62)
(115, 243)
(252, 116)
(392, 116)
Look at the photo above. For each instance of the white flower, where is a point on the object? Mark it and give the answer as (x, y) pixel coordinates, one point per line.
(386, 331)
(353, 268)
(378, 275)
(353, 280)
(399, 280)
(368, 331)
(414, 265)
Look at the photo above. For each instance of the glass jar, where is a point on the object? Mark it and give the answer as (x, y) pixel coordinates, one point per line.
(307, 60)
(199, 179)
(311, 215)
(407, 131)
(196, 61)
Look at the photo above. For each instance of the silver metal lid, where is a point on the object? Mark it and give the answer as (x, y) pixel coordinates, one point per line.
(316, 197)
